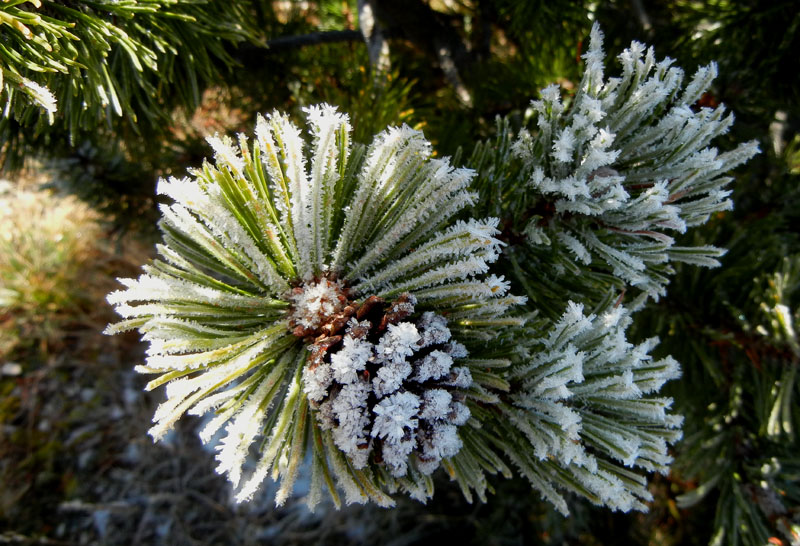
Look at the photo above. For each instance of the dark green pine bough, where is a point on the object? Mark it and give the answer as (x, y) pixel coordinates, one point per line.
(98, 62)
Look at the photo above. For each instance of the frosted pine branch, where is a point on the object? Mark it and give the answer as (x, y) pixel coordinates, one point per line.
(608, 179)
(582, 406)
(284, 302)
(333, 300)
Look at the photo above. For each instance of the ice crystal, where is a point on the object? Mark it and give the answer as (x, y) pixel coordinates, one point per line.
(351, 359)
(315, 302)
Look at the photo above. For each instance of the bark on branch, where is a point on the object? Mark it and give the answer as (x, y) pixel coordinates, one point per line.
(315, 38)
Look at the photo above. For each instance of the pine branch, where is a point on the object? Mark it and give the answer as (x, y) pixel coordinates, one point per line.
(605, 184)
(325, 295)
(301, 293)
(70, 69)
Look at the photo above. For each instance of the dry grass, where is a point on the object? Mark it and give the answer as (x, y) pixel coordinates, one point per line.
(56, 265)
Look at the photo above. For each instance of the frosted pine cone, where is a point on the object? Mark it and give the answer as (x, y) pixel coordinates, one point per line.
(387, 387)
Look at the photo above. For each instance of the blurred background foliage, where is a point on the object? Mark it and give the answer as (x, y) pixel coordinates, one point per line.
(137, 85)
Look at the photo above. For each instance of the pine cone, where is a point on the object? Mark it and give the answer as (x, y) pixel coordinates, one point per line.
(386, 386)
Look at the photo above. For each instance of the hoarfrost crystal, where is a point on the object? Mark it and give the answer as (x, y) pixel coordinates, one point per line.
(315, 302)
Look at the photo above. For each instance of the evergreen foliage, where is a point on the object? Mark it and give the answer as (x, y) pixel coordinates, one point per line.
(737, 344)
(70, 68)
(269, 254)
(312, 243)
(573, 289)
(611, 176)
